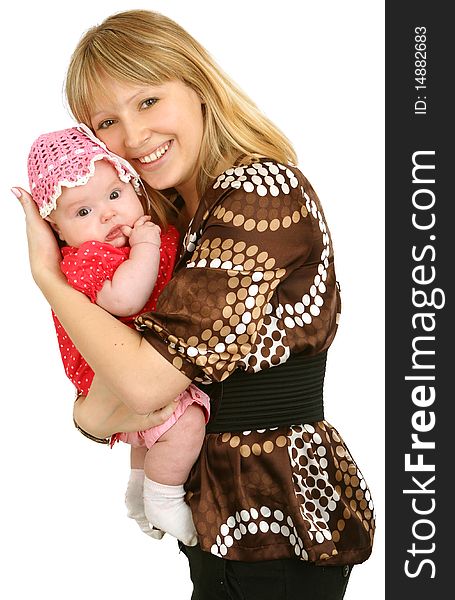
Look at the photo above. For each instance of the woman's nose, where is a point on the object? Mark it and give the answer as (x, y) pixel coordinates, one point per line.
(135, 135)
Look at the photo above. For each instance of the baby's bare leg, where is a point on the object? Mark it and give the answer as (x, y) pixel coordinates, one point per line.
(137, 457)
(170, 459)
(167, 465)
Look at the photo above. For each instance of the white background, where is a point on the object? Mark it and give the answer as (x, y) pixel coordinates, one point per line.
(316, 69)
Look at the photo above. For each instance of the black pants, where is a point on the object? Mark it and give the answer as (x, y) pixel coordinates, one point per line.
(218, 579)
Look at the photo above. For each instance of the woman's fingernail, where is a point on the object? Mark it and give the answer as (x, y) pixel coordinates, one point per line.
(16, 192)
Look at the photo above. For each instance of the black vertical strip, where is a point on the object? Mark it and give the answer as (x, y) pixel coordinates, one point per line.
(420, 234)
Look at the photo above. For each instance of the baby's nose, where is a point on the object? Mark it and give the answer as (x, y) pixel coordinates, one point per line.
(107, 215)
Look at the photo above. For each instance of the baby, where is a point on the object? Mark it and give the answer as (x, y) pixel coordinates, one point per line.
(121, 260)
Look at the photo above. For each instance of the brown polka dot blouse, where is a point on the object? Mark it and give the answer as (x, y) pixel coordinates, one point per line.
(255, 284)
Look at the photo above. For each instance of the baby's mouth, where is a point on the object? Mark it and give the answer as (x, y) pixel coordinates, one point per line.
(115, 232)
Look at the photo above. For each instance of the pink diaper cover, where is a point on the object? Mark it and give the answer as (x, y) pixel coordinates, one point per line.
(192, 395)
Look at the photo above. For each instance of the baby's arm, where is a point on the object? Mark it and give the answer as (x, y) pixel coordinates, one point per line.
(134, 280)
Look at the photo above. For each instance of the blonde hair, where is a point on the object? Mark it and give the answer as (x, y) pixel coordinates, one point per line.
(144, 47)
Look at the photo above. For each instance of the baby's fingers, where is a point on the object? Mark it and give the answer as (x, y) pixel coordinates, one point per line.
(127, 230)
(142, 220)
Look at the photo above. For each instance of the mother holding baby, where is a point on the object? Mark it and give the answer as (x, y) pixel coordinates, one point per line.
(280, 507)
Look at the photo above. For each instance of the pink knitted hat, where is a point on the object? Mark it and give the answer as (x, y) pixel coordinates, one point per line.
(67, 158)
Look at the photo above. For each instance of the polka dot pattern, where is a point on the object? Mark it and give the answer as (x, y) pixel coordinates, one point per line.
(282, 318)
(286, 502)
(87, 268)
(243, 298)
(317, 496)
(257, 521)
(256, 283)
(351, 482)
(264, 178)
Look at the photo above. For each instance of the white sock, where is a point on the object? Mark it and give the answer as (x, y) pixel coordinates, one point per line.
(166, 509)
(134, 500)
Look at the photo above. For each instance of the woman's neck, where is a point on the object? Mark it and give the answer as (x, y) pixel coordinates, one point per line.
(190, 198)
(189, 192)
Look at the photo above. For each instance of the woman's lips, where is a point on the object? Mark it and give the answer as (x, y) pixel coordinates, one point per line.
(155, 158)
(156, 154)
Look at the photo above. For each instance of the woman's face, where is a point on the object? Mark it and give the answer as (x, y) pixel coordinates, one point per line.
(156, 128)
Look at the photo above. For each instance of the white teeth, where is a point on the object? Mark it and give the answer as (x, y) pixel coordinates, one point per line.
(155, 155)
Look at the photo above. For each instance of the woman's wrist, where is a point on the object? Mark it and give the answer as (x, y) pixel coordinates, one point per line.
(49, 279)
(101, 417)
(93, 438)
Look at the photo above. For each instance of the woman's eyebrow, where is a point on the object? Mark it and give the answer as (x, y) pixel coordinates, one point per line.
(142, 91)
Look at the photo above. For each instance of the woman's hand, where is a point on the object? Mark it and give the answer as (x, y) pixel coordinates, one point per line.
(43, 250)
(129, 366)
(121, 420)
(101, 414)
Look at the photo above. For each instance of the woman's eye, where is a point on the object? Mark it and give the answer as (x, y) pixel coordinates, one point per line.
(83, 212)
(114, 195)
(149, 102)
(105, 124)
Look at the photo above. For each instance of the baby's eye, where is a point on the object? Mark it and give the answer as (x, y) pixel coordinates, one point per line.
(149, 102)
(83, 212)
(114, 195)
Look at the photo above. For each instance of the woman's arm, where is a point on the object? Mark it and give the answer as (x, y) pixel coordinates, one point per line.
(102, 415)
(127, 364)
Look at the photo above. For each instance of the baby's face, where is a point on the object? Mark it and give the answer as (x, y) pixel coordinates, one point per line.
(96, 210)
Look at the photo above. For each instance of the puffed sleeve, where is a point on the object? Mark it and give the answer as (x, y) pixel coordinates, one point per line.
(90, 265)
(244, 293)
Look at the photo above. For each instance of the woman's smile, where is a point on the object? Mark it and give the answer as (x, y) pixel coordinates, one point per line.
(158, 128)
(156, 155)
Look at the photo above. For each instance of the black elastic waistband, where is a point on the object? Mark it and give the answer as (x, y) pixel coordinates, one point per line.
(288, 394)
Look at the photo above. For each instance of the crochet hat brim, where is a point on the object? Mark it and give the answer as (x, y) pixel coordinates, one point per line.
(66, 159)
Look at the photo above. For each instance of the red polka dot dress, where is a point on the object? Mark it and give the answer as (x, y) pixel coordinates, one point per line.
(87, 268)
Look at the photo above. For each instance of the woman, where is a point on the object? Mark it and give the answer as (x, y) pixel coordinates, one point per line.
(251, 310)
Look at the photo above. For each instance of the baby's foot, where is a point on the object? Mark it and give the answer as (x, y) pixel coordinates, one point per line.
(166, 509)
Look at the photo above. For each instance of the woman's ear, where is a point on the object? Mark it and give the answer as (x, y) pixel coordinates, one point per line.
(198, 94)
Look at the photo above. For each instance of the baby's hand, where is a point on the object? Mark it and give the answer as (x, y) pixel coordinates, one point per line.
(144, 231)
